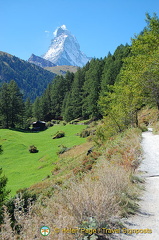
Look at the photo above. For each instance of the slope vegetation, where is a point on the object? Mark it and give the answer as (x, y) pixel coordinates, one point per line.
(31, 79)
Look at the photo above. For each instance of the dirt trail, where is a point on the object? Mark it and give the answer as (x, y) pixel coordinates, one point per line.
(148, 215)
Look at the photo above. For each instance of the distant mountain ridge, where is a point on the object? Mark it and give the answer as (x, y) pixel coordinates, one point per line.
(31, 79)
(41, 62)
(64, 50)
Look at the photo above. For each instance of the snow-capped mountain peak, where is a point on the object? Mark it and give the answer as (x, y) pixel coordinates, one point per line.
(65, 50)
(60, 30)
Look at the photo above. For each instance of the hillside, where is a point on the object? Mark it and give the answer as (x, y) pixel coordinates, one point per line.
(31, 79)
(23, 168)
(61, 70)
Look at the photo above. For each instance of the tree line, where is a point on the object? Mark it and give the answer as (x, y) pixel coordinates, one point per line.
(77, 95)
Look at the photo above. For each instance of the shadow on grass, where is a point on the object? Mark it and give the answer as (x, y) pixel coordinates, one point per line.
(25, 130)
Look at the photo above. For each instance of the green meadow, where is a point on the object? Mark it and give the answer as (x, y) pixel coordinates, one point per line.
(23, 168)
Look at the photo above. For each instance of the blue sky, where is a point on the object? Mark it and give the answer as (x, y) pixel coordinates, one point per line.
(100, 26)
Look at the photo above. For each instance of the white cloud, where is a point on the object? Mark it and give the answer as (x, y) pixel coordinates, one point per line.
(47, 33)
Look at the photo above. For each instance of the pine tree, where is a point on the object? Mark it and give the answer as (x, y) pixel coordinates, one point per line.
(5, 107)
(16, 103)
(28, 109)
(37, 109)
(112, 66)
(91, 89)
(28, 113)
(72, 104)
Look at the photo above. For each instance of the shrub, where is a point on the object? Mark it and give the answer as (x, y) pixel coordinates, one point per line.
(58, 134)
(62, 149)
(125, 149)
(143, 127)
(49, 124)
(26, 199)
(156, 128)
(33, 149)
(87, 132)
(64, 123)
(87, 163)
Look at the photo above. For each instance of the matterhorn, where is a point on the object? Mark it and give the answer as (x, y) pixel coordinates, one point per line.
(64, 50)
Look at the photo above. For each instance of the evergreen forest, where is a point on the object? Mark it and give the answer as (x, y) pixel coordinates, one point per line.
(31, 79)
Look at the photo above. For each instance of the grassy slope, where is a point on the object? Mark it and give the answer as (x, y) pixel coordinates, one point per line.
(23, 168)
(59, 70)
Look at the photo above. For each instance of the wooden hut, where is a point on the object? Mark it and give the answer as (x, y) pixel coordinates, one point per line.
(39, 126)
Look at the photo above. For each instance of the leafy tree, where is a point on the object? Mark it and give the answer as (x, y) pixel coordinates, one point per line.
(138, 79)
(150, 81)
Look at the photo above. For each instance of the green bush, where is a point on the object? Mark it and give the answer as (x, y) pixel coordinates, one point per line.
(62, 149)
(87, 132)
(58, 134)
(49, 124)
(143, 127)
(33, 149)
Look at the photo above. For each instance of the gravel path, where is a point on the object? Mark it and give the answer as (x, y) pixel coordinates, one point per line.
(147, 218)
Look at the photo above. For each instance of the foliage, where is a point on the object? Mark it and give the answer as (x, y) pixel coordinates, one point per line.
(76, 94)
(137, 82)
(3, 193)
(33, 149)
(87, 132)
(11, 105)
(58, 134)
(26, 199)
(62, 149)
(112, 66)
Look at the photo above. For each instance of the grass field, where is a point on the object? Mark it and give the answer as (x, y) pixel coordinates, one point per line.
(61, 70)
(23, 168)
